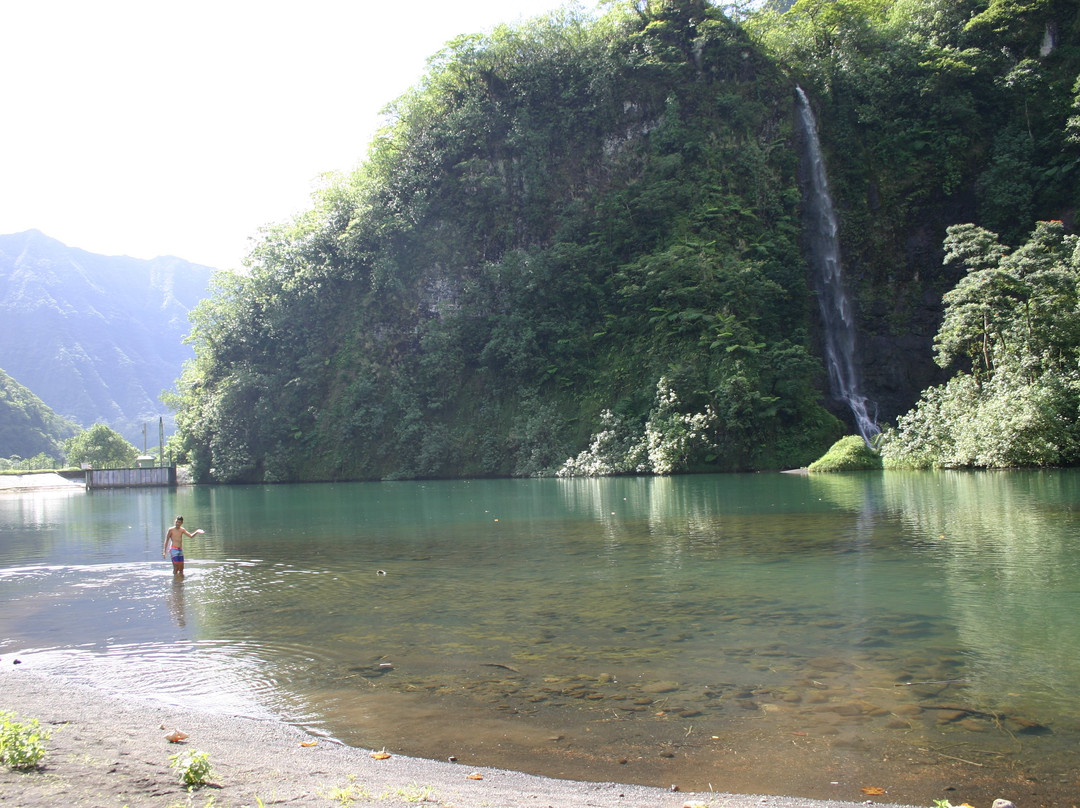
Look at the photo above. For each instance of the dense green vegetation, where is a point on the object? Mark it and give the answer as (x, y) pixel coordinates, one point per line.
(28, 428)
(1015, 321)
(933, 113)
(576, 244)
(559, 219)
(957, 112)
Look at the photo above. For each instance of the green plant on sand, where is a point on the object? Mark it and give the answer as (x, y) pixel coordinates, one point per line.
(22, 744)
(191, 767)
(348, 794)
(410, 793)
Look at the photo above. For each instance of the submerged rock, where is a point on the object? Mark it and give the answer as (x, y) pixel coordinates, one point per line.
(660, 687)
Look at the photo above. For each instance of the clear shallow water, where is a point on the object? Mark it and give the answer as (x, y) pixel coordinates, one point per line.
(757, 633)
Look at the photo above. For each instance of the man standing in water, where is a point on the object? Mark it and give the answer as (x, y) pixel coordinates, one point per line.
(175, 537)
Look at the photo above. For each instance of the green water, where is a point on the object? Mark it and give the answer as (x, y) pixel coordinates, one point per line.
(809, 635)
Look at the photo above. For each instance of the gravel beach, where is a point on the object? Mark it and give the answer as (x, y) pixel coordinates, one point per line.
(106, 750)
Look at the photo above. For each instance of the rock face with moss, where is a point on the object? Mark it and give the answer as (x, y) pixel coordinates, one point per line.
(577, 244)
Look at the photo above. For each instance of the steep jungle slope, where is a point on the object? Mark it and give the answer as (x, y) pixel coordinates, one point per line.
(576, 245)
(568, 227)
(27, 426)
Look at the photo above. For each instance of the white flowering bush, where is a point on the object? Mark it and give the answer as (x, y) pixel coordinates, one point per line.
(618, 448)
(670, 442)
(674, 439)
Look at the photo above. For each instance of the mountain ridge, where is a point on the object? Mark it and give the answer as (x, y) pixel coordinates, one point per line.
(27, 426)
(96, 338)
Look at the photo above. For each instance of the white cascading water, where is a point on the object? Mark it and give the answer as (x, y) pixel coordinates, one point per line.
(825, 256)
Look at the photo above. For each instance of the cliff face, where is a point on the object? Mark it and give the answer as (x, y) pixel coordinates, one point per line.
(582, 239)
(933, 114)
(569, 224)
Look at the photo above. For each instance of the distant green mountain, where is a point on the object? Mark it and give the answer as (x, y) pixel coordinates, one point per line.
(27, 426)
(97, 338)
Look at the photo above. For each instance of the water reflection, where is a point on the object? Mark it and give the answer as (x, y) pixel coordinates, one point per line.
(176, 601)
(752, 633)
(1007, 550)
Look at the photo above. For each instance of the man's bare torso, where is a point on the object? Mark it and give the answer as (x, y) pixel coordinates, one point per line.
(176, 536)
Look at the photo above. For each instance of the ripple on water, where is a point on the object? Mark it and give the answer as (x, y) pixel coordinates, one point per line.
(216, 677)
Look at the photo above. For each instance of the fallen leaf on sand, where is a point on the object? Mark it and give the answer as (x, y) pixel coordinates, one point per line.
(380, 755)
(175, 736)
(872, 791)
(309, 743)
(474, 776)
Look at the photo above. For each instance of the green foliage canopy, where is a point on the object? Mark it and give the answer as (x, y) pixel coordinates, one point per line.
(937, 112)
(99, 445)
(1014, 319)
(1014, 309)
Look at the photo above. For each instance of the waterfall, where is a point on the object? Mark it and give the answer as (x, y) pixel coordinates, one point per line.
(825, 257)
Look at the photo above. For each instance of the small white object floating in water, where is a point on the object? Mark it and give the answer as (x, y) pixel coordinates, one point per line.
(380, 572)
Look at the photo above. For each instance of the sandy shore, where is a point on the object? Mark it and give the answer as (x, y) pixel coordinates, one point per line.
(109, 751)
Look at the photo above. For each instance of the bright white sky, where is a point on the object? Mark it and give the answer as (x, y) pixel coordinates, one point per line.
(146, 128)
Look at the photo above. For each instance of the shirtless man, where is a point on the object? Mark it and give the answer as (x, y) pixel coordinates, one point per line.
(175, 537)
